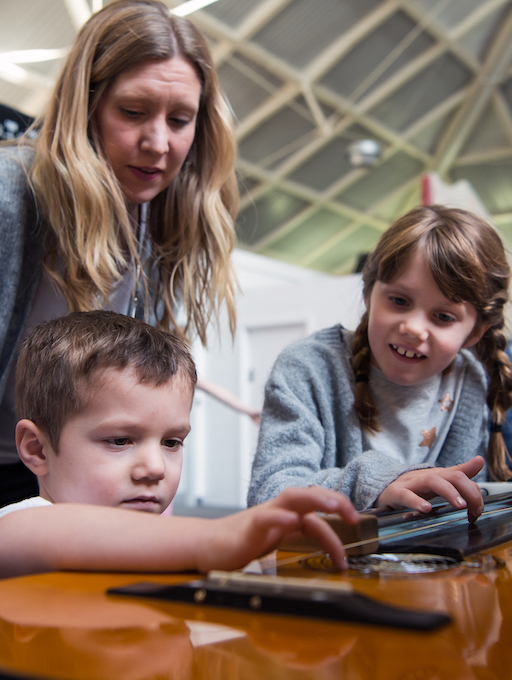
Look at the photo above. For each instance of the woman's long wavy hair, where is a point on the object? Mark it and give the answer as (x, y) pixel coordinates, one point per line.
(92, 240)
(469, 264)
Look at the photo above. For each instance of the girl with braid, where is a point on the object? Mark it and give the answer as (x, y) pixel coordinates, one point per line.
(396, 413)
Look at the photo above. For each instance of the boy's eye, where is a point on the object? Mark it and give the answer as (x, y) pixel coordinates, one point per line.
(118, 441)
(174, 444)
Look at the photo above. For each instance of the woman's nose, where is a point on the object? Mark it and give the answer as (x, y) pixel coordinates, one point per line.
(155, 137)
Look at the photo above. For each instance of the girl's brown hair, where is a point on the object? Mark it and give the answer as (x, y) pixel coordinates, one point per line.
(468, 262)
(191, 223)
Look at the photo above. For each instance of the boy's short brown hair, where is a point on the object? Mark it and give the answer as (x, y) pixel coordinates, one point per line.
(59, 359)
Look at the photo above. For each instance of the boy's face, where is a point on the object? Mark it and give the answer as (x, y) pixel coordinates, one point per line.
(124, 449)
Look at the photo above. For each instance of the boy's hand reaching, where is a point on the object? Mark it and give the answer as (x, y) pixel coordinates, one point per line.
(454, 484)
(233, 541)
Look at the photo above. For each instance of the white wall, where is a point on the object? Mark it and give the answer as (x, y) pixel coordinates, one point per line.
(278, 304)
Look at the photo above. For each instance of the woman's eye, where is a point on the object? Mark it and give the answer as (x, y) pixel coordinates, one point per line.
(174, 444)
(131, 113)
(179, 122)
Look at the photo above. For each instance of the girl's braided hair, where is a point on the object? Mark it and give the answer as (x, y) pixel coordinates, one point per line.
(468, 262)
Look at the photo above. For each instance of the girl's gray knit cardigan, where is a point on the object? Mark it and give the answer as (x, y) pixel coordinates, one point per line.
(310, 433)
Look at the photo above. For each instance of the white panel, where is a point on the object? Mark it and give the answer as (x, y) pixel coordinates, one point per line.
(220, 449)
(265, 343)
(457, 195)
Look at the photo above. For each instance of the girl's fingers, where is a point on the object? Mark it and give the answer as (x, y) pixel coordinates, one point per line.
(460, 492)
(471, 467)
(454, 484)
(449, 491)
(399, 497)
(450, 483)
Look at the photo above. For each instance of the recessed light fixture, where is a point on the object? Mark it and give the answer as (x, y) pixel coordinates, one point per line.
(191, 6)
(364, 152)
(31, 56)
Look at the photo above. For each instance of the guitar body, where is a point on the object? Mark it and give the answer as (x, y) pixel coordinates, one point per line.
(67, 626)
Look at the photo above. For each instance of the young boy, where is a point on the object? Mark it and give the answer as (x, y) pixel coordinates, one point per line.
(103, 403)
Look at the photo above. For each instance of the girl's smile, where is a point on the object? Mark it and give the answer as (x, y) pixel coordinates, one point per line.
(414, 331)
(407, 353)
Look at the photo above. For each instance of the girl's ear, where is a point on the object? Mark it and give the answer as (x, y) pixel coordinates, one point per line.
(476, 334)
(32, 446)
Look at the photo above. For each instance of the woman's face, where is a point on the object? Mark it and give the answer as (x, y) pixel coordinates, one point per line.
(146, 123)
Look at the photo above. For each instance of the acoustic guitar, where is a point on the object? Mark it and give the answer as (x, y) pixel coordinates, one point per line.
(426, 598)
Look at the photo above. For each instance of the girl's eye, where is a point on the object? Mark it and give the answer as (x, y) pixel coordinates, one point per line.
(445, 318)
(398, 301)
(118, 441)
(173, 444)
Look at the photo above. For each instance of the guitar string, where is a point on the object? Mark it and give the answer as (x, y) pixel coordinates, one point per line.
(367, 541)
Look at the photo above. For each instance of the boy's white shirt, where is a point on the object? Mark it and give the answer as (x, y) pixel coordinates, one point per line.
(34, 502)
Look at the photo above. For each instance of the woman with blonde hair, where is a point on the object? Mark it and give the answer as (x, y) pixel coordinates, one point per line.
(127, 197)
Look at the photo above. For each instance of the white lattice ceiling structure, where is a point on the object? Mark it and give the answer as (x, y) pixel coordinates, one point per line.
(430, 80)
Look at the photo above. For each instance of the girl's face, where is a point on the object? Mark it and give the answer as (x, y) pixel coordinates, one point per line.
(146, 123)
(414, 331)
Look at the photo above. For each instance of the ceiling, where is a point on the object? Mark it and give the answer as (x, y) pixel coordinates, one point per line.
(430, 80)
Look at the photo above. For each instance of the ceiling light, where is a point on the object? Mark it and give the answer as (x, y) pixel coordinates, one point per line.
(31, 56)
(364, 152)
(12, 73)
(190, 6)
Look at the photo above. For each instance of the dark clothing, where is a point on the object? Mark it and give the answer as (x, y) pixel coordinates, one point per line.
(13, 123)
(16, 482)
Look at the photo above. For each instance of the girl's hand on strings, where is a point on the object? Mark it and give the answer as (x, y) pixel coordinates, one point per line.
(413, 489)
(235, 540)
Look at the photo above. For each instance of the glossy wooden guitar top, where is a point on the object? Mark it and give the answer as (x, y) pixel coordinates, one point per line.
(65, 626)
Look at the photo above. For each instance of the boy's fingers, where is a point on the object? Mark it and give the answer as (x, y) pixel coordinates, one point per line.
(272, 525)
(316, 528)
(314, 498)
(269, 527)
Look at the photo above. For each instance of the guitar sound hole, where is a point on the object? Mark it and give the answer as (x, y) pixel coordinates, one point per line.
(387, 563)
(405, 563)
